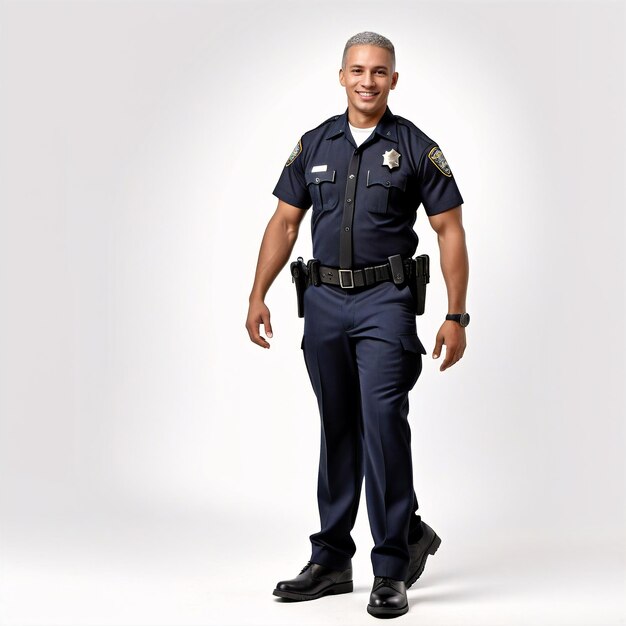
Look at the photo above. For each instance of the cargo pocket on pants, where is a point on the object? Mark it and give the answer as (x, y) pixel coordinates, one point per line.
(412, 343)
(412, 351)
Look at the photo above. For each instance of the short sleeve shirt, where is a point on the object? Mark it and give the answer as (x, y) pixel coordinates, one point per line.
(397, 169)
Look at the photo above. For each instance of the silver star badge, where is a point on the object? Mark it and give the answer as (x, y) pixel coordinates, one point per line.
(391, 159)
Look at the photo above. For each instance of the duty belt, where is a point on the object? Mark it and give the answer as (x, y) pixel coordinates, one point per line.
(397, 270)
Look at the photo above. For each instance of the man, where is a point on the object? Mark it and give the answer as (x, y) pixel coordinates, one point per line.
(365, 173)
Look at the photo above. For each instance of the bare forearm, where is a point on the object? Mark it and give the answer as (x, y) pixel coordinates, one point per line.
(276, 246)
(454, 266)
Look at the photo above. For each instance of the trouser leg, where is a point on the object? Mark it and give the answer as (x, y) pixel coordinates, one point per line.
(330, 363)
(389, 363)
(415, 525)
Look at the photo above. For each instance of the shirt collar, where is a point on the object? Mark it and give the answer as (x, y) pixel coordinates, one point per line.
(386, 126)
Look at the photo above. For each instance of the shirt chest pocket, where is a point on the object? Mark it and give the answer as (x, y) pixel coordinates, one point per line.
(384, 191)
(323, 189)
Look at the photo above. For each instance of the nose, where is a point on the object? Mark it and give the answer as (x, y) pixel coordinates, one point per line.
(367, 79)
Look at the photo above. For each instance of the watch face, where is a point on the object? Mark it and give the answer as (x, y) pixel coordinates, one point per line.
(464, 321)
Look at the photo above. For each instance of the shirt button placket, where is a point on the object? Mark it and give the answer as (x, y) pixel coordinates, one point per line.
(345, 238)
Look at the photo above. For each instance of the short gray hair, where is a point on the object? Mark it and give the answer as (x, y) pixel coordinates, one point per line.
(371, 39)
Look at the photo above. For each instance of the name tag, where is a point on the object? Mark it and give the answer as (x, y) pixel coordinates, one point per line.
(319, 168)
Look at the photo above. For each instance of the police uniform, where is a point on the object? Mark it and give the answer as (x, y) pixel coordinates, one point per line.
(360, 343)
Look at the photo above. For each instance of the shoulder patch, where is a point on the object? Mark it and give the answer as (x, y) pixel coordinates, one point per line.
(294, 153)
(436, 156)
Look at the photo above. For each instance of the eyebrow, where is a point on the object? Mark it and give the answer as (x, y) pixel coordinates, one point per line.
(378, 67)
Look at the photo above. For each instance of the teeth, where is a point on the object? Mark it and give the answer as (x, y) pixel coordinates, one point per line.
(367, 93)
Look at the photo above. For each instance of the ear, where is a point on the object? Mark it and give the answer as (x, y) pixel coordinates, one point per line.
(342, 78)
(394, 80)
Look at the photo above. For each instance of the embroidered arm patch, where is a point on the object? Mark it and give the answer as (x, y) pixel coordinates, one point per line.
(436, 156)
(294, 153)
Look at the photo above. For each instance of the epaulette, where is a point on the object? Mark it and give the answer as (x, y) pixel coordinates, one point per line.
(330, 119)
(413, 128)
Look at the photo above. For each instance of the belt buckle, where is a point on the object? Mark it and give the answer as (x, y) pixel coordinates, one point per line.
(341, 275)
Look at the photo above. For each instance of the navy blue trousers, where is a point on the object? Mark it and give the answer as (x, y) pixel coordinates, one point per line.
(363, 356)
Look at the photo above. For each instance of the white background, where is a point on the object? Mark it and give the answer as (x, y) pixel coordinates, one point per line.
(158, 468)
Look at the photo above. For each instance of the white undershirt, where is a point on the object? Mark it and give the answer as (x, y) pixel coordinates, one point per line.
(360, 134)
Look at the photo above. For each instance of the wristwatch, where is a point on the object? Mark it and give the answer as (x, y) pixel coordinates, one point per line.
(461, 318)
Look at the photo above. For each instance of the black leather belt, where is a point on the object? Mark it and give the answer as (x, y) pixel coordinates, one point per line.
(364, 277)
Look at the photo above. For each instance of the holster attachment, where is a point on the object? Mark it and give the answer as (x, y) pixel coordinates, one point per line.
(300, 276)
(421, 277)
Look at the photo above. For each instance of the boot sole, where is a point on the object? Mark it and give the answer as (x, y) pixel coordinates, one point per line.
(327, 591)
(387, 611)
(432, 548)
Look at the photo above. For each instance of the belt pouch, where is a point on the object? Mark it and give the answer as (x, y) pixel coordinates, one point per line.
(313, 269)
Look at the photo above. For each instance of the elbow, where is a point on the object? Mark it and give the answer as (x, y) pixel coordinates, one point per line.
(451, 231)
(286, 227)
(291, 230)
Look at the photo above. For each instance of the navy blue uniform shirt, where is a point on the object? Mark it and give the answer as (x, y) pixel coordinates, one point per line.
(382, 182)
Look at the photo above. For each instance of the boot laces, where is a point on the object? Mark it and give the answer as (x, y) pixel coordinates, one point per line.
(383, 581)
(306, 567)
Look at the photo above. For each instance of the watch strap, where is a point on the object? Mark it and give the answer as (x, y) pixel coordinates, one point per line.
(461, 318)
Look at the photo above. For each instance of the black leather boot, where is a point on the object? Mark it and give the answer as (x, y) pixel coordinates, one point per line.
(419, 551)
(388, 598)
(315, 581)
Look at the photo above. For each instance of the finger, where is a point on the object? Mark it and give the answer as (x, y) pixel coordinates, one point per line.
(451, 357)
(458, 355)
(460, 351)
(267, 324)
(447, 361)
(255, 336)
(261, 341)
(437, 348)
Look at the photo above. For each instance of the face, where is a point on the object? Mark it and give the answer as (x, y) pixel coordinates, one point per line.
(367, 78)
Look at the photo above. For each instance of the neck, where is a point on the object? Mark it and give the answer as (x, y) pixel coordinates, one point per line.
(362, 120)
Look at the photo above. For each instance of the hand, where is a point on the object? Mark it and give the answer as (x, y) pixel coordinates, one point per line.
(258, 314)
(453, 335)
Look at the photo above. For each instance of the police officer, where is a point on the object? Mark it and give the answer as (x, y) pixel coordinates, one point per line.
(365, 173)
